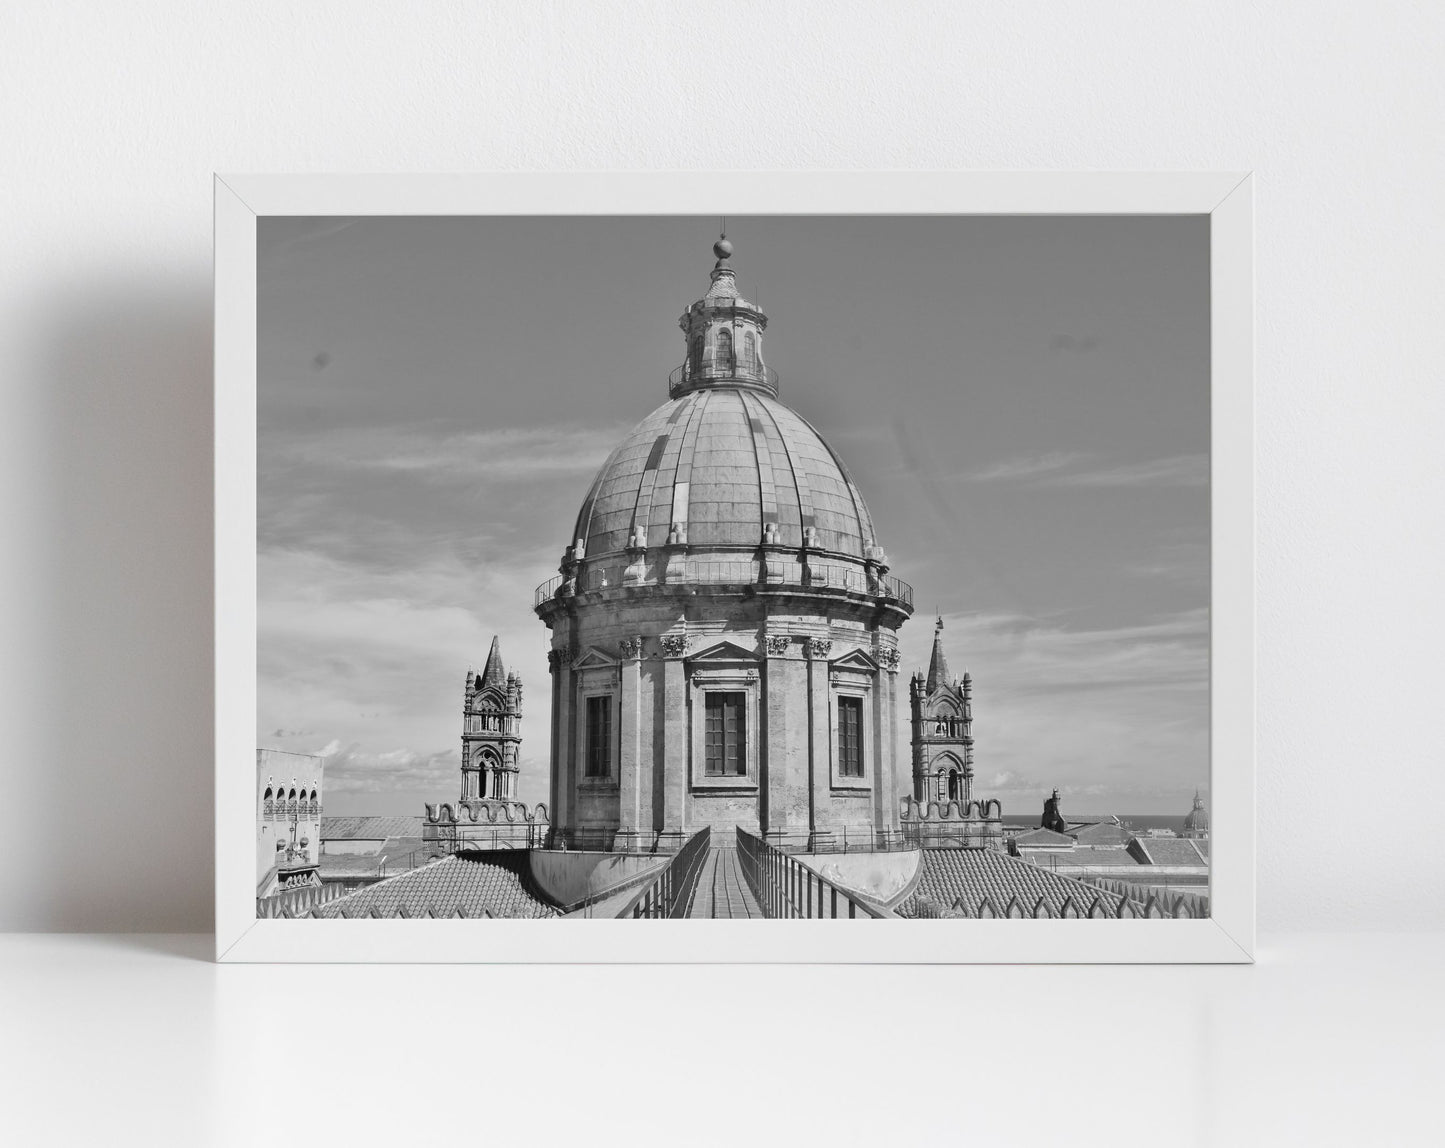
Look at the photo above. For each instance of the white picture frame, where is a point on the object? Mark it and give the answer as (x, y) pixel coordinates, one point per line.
(1227, 936)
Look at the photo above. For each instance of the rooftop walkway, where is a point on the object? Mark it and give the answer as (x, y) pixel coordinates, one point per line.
(721, 890)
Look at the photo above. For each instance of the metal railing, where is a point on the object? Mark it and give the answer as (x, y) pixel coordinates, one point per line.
(546, 591)
(613, 840)
(858, 839)
(812, 575)
(744, 368)
(898, 589)
(452, 837)
(786, 888)
(668, 894)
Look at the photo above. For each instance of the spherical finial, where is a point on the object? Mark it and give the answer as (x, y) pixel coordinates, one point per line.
(722, 248)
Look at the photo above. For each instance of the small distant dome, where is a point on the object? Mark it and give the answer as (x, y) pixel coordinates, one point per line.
(1196, 821)
(722, 248)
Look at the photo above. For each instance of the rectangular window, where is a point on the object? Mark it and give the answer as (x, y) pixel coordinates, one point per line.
(850, 737)
(726, 735)
(599, 736)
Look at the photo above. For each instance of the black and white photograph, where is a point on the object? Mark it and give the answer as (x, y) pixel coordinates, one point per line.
(740, 567)
(916, 525)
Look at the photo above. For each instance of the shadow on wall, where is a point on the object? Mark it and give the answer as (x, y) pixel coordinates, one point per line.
(120, 638)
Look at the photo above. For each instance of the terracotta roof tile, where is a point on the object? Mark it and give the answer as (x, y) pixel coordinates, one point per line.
(344, 828)
(974, 875)
(1172, 851)
(476, 884)
(1037, 837)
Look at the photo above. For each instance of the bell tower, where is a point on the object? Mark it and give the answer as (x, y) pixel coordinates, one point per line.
(491, 731)
(942, 718)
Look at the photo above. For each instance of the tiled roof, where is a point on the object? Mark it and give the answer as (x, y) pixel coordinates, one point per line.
(1171, 851)
(476, 884)
(974, 875)
(399, 854)
(1102, 856)
(349, 865)
(1077, 862)
(1100, 833)
(343, 828)
(1037, 837)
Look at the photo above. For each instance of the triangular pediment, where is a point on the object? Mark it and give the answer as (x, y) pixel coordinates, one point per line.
(592, 658)
(855, 660)
(724, 652)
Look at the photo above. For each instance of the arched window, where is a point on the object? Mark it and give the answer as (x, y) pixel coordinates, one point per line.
(750, 351)
(315, 806)
(268, 807)
(724, 359)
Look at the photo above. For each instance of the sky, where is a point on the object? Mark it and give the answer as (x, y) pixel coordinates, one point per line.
(1023, 402)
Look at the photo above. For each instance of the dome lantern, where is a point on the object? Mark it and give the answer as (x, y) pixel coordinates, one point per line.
(722, 337)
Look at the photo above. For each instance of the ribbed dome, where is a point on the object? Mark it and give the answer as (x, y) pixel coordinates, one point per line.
(723, 462)
(1197, 819)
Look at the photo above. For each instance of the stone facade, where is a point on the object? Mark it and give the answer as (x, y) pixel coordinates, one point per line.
(724, 629)
(288, 818)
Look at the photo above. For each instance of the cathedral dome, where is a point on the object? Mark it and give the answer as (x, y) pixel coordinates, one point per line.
(723, 484)
(725, 466)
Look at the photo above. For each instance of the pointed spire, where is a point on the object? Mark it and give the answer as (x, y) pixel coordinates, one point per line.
(938, 664)
(494, 674)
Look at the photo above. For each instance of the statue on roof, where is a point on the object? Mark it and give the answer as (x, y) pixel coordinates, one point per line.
(1053, 819)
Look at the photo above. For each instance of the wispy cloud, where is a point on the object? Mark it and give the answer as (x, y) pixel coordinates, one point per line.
(1119, 711)
(1181, 470)
(1076, 470)
(366, 663)
(512, 454)
(352, 771)
(1026, 467)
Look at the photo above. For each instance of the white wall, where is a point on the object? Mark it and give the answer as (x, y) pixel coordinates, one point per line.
(113, 116)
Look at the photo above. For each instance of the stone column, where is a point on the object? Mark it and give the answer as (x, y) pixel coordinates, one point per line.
(556, 803)
(887, 726)
(567, 736)
(675, 734)
(782, 709)
(882, 760)
(820, 748)
(629, 763)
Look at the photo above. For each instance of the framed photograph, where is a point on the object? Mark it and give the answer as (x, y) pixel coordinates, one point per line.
(745, 567)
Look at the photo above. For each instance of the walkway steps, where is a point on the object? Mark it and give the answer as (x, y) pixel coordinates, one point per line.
(721, 891)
